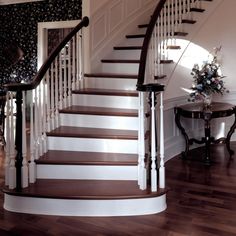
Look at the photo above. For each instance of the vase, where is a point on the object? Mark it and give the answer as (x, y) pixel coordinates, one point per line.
(207, 99)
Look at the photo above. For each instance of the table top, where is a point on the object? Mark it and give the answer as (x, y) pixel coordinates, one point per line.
(199, 111)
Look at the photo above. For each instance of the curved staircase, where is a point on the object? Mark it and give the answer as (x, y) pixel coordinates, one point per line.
(90, 164)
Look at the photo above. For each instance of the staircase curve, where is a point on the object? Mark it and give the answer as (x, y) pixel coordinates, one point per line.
(92, 141)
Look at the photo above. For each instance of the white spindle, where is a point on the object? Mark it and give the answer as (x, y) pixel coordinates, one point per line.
(12, 168)
(24, 168)
(32, 166)
(153, 145)
(48, 102)
(65, 78)
(40, 128)
(60, 82)
(56, 94)
(52, 110)
(8, 140)
(69, 75)
(36, 124)
(142, 172)
(78, 51)
(73, 63)
(162, 167)
(44, 101)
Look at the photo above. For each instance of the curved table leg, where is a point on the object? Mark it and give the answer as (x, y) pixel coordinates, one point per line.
(177, 121)
(231, 131)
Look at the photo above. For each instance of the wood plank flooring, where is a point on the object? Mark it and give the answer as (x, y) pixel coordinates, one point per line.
(201, 202)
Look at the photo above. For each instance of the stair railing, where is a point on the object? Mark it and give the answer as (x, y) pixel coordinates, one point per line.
(165, 24)
(49, 91)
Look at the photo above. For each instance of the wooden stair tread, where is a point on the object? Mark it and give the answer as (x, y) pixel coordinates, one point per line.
(195, 9)
(180, 33)
(81, 132)
(120, 61)
(85, 189)
(131, 36)
(109, 92)
(128, 48)
(143, 26)
(158, 77)
(86, 158)
(188, 21)
(173, 47)
(111, 75)
(166, 61)
(103, 111)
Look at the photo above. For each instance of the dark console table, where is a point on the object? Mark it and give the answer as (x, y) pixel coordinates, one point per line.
(199, 111)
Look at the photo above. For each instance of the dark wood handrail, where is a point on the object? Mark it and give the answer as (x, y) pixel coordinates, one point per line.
(146, 41)
(46, 65)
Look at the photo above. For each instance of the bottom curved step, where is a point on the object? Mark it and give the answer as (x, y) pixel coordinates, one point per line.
(85, 198)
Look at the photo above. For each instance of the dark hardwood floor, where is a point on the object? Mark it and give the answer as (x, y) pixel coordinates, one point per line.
(201, 202)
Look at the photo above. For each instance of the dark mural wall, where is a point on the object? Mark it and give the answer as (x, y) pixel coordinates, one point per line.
(18, 25)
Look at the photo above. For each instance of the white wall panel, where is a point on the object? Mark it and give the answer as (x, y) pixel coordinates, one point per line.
(131, 7)
(99, 29)
(116, 15)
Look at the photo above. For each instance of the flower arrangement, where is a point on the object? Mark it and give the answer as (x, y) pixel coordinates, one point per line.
(207, 79)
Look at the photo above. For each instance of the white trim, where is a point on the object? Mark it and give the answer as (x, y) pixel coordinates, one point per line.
(67, 207)
(42, 35)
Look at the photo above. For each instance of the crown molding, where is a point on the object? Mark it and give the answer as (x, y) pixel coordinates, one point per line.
(8, 2)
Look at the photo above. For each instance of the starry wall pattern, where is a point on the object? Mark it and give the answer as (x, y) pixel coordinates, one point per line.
(18, 25)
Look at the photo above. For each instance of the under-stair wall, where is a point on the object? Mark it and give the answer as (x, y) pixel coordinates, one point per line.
(111, 20)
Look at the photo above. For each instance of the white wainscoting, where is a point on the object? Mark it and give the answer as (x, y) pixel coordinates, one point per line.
(174, 141)
(111, 22)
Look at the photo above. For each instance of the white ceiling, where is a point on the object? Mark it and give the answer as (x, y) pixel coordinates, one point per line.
(7, 2)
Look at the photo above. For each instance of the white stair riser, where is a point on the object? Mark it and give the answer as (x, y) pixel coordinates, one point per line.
(93, 145)
(111, 83)
(125, 54)
(87, 172)
(126, 68)
(132, 41)
(105, 101)
(83, 207)
(95, 121)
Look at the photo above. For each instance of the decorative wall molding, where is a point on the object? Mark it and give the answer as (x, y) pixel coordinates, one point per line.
(109, 24)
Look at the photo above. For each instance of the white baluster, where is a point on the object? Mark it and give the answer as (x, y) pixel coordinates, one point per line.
(36, 121)
(153, 145)
(65, 79)
(78, 57)
(24, 168)
(60, 82)
(52, 110)
(32, 166)
(69, 75)
(12, 168)
(81, 56)
(40, 128)
(8, 140)
(56, 95)
(162, 167)
(142, 171)
(48, 103)
(73, 63)
(44, 101)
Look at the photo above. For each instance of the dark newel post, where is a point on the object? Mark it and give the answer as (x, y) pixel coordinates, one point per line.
(18, 140)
